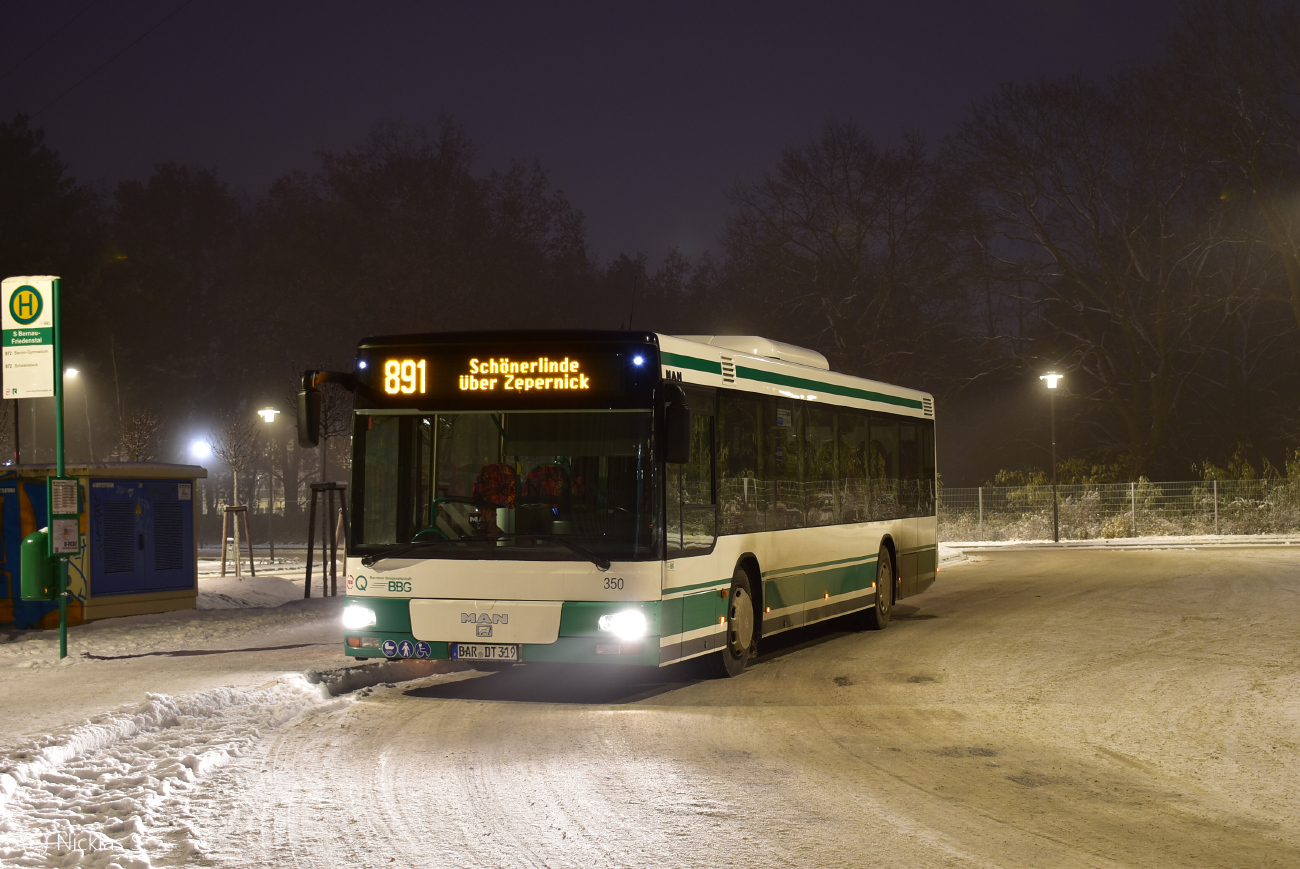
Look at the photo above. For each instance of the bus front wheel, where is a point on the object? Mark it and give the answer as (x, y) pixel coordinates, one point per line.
(877, 618)
(741, 641)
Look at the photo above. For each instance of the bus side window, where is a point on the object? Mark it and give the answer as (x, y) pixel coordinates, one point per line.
(691, 502)
(909, 465)
(886, 483)
(821, 492)
(743, 474)
(854, 481)
(928, 481)
(787, 450)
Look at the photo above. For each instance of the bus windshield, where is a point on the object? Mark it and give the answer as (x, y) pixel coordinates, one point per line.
(507, 485)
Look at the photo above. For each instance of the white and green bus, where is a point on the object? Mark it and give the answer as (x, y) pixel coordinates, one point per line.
(621, 497)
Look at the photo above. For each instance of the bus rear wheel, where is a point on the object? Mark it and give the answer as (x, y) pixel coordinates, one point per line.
(877, 618)
(741, 642)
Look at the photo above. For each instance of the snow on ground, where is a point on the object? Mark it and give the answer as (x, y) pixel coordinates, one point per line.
(105, 757)
(107, 747)
(113, 791)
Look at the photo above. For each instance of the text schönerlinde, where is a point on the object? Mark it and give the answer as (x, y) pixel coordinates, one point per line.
(523, 376)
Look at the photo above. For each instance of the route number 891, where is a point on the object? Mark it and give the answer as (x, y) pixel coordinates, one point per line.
(405, 376)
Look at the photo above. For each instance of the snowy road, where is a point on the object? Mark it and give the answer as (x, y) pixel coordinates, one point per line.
(1035, 708)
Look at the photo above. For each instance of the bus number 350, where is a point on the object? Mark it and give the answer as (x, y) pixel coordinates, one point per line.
(613, 583)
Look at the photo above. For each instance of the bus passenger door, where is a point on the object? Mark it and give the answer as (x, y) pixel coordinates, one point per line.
(909, 467)
(691, 506)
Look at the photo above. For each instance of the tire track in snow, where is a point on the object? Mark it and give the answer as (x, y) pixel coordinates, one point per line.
(118, 789)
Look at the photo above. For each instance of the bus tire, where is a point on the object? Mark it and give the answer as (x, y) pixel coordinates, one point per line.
(741, 640)
(877, 618)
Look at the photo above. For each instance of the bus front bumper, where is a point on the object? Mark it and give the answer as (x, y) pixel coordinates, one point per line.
(580, 639)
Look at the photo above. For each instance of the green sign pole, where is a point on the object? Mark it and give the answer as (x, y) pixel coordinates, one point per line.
(58, 458)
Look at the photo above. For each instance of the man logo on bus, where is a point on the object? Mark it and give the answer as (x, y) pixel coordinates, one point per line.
(25, 305)
(485, 618)
(484, 621)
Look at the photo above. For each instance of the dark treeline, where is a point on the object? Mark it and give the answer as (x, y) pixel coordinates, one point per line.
(1140, 235)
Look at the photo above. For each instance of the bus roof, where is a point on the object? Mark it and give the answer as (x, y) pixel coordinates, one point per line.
(754, 364)
(746, 362)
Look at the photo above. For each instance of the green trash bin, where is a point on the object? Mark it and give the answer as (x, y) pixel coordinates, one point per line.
(40, 577)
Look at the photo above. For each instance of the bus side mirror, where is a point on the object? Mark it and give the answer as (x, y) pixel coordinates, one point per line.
(677, 427)
(309, 418)
(40, 578)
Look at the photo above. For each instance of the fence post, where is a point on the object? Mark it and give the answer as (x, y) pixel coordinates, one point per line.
(1216, 506)
(1133, 501)
(981, 525)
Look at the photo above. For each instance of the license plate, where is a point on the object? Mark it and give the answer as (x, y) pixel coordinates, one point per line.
(484, 652)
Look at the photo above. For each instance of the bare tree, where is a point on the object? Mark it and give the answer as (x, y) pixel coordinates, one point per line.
(1240, 65)
(237, 443)
(1098, 227)
(139, 437)
(335, 421)
(857, 245)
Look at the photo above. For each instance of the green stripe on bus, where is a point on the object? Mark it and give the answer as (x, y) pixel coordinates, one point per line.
(691, 362)
(835, 581)
(834, 389)
(804, 568)
(713, 583)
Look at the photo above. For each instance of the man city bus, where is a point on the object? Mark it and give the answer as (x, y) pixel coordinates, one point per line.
(621, 497)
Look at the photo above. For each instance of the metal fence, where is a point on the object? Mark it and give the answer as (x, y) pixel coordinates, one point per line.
(1106, 510)
(1110, 510)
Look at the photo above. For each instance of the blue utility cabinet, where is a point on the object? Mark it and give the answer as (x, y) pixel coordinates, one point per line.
(141, 536)
(137, 554)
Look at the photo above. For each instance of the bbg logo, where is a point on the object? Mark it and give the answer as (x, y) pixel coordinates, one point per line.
(484, 622)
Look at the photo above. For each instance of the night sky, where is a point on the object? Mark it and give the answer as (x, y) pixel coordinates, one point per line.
(642, 113)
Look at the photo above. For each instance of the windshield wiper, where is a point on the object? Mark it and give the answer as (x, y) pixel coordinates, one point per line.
(371, 559)
(591, 555)
(594, 557)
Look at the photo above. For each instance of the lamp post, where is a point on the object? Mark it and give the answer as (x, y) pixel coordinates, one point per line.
(201, 450)
(268, 415)
(1052, 380)
(71, 374)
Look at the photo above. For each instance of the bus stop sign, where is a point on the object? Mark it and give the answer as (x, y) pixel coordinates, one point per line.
(27, 328)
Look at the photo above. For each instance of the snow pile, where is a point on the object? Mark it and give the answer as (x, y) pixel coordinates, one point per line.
(113, 792)
(950, 555)
(276, 583)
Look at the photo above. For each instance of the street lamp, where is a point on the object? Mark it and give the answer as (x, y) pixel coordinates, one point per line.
(71, 374)
(268, 415)
(1052, 380)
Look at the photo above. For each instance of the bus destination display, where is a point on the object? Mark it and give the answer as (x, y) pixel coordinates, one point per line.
(508, 376)
(540, 373)
(409, 376)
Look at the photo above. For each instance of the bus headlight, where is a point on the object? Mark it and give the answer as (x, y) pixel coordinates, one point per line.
(627, 625)
(357, 617)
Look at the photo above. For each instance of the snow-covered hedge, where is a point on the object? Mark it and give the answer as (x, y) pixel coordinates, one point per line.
(1140, 509)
